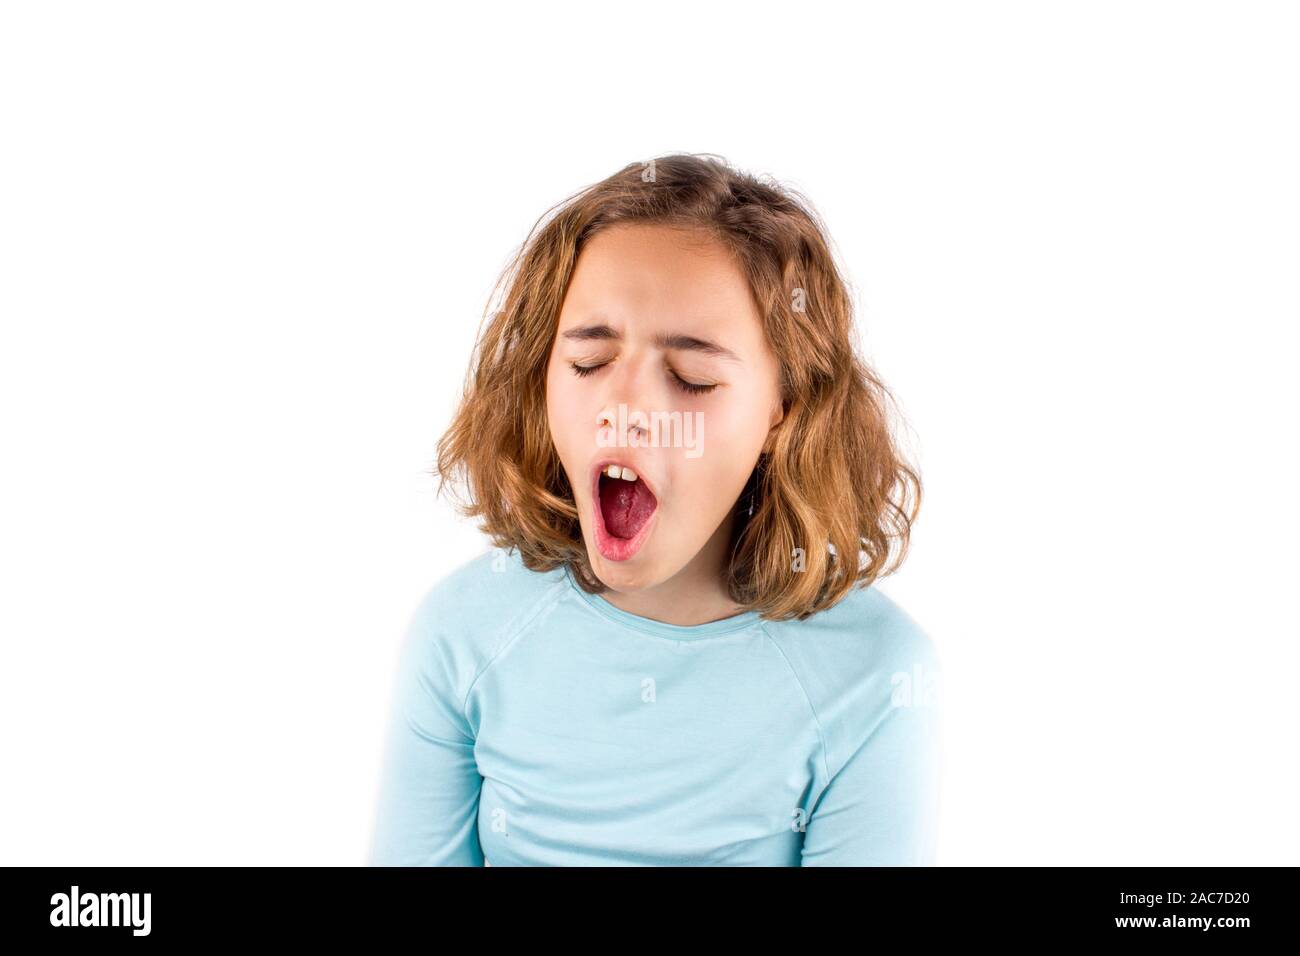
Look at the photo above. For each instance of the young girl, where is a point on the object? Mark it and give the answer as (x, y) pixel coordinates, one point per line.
(676, 655)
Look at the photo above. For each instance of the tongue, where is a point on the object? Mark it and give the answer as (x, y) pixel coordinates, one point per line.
(625, 505)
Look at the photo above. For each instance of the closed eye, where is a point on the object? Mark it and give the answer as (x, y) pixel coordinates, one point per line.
(691, 388)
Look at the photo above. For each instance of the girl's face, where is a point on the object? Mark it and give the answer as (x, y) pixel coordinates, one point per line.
(659, 366)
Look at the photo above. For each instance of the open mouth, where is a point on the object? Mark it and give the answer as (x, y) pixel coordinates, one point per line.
(625, 507)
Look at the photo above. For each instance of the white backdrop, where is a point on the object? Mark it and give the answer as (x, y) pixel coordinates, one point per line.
(244, 251)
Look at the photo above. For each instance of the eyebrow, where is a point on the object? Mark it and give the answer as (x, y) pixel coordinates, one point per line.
(665, 340)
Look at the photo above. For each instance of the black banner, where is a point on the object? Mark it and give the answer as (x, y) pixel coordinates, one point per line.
(1225, 906)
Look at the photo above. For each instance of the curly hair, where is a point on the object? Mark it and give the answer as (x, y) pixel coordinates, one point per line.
(833, 481)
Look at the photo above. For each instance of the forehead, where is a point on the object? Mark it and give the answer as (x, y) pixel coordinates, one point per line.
(645, 278)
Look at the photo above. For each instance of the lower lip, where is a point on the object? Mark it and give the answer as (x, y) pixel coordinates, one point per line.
(617, 549)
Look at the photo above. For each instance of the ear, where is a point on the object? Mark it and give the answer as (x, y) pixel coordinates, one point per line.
(777, 417)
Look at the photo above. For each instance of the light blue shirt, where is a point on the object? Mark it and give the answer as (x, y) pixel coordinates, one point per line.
(535, 724)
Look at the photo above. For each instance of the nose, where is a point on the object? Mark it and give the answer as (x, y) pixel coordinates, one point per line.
(616, 421)
(629, 402)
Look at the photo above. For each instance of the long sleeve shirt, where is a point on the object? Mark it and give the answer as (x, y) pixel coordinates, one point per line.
(536, 724)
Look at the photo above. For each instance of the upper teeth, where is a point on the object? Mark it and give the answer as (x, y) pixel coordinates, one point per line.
(618, 471)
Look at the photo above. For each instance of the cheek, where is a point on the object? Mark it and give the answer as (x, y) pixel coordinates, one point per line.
(735, 429)
(733, 437)
(710, 484)
(563, 416)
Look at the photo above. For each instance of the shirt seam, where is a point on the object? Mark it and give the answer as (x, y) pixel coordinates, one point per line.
(821, 736)
(513, 632)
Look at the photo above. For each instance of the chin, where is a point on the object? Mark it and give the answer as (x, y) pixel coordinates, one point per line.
(634, 574)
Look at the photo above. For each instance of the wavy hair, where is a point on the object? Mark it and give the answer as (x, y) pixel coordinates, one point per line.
(833, 481)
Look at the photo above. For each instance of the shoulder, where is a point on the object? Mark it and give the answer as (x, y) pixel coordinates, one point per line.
(861, 661)
(469, 614)
(487, 591)
(866, 633)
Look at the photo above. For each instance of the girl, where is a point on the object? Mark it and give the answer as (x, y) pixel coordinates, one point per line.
(676, 655)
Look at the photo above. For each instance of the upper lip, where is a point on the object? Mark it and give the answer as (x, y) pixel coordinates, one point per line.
(603, 463)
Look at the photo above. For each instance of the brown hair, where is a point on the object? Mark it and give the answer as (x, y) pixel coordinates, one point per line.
(833, 476)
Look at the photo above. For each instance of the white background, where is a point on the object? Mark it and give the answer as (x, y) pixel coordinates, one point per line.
(244, 251)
